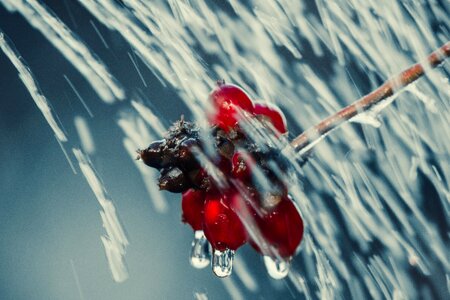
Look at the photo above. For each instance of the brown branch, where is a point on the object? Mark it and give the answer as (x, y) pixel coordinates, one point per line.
(386, 90)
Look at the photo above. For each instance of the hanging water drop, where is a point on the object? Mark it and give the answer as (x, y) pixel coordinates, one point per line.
(277, 268)
(222, 263)
(200, 251)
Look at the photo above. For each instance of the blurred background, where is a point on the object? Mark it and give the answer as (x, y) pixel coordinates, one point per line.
(50, 226)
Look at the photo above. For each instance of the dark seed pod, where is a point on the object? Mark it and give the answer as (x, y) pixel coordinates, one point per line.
(152, 156)
(184, 155)
(173, 180)
(168, 155)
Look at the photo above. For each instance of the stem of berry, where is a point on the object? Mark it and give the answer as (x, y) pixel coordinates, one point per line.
(387, 89)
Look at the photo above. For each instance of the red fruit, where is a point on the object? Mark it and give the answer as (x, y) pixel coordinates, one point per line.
(274, 115)
(222, 227)
(229, 101)
(281, 229)
(192, 204)
(241, 165)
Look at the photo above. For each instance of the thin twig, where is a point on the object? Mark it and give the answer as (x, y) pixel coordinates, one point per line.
(387, 89)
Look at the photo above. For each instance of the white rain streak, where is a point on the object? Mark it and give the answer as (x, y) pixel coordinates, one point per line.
(200, 296)
(75, 51)
(367, 223)
(115, 240)
(79, 96)
(66, 155)
(136, 135)
(99, 34)
(232, 288)
(133, 61)
(149, 117)
(77, 280)
(87, 142)
(32, 86)
(245, 275)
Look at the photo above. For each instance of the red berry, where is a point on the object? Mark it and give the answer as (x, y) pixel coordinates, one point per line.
(192, 204)
(222, 227)
(228, 100)
(281, 229)
(274, 115)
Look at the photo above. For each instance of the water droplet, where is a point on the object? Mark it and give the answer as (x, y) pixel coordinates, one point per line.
(277, 268)
(222, 263)
(200, 251)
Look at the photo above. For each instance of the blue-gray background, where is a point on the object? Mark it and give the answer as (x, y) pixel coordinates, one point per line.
(49, 217)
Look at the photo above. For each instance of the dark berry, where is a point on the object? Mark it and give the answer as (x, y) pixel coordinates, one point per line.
(173, 180)
(152, 156)
(183, 153)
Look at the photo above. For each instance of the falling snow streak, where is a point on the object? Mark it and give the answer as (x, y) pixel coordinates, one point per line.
(115, 241)
(33, 88)
(76, 52)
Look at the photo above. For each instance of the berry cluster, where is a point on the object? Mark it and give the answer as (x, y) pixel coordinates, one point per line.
(237, 194)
